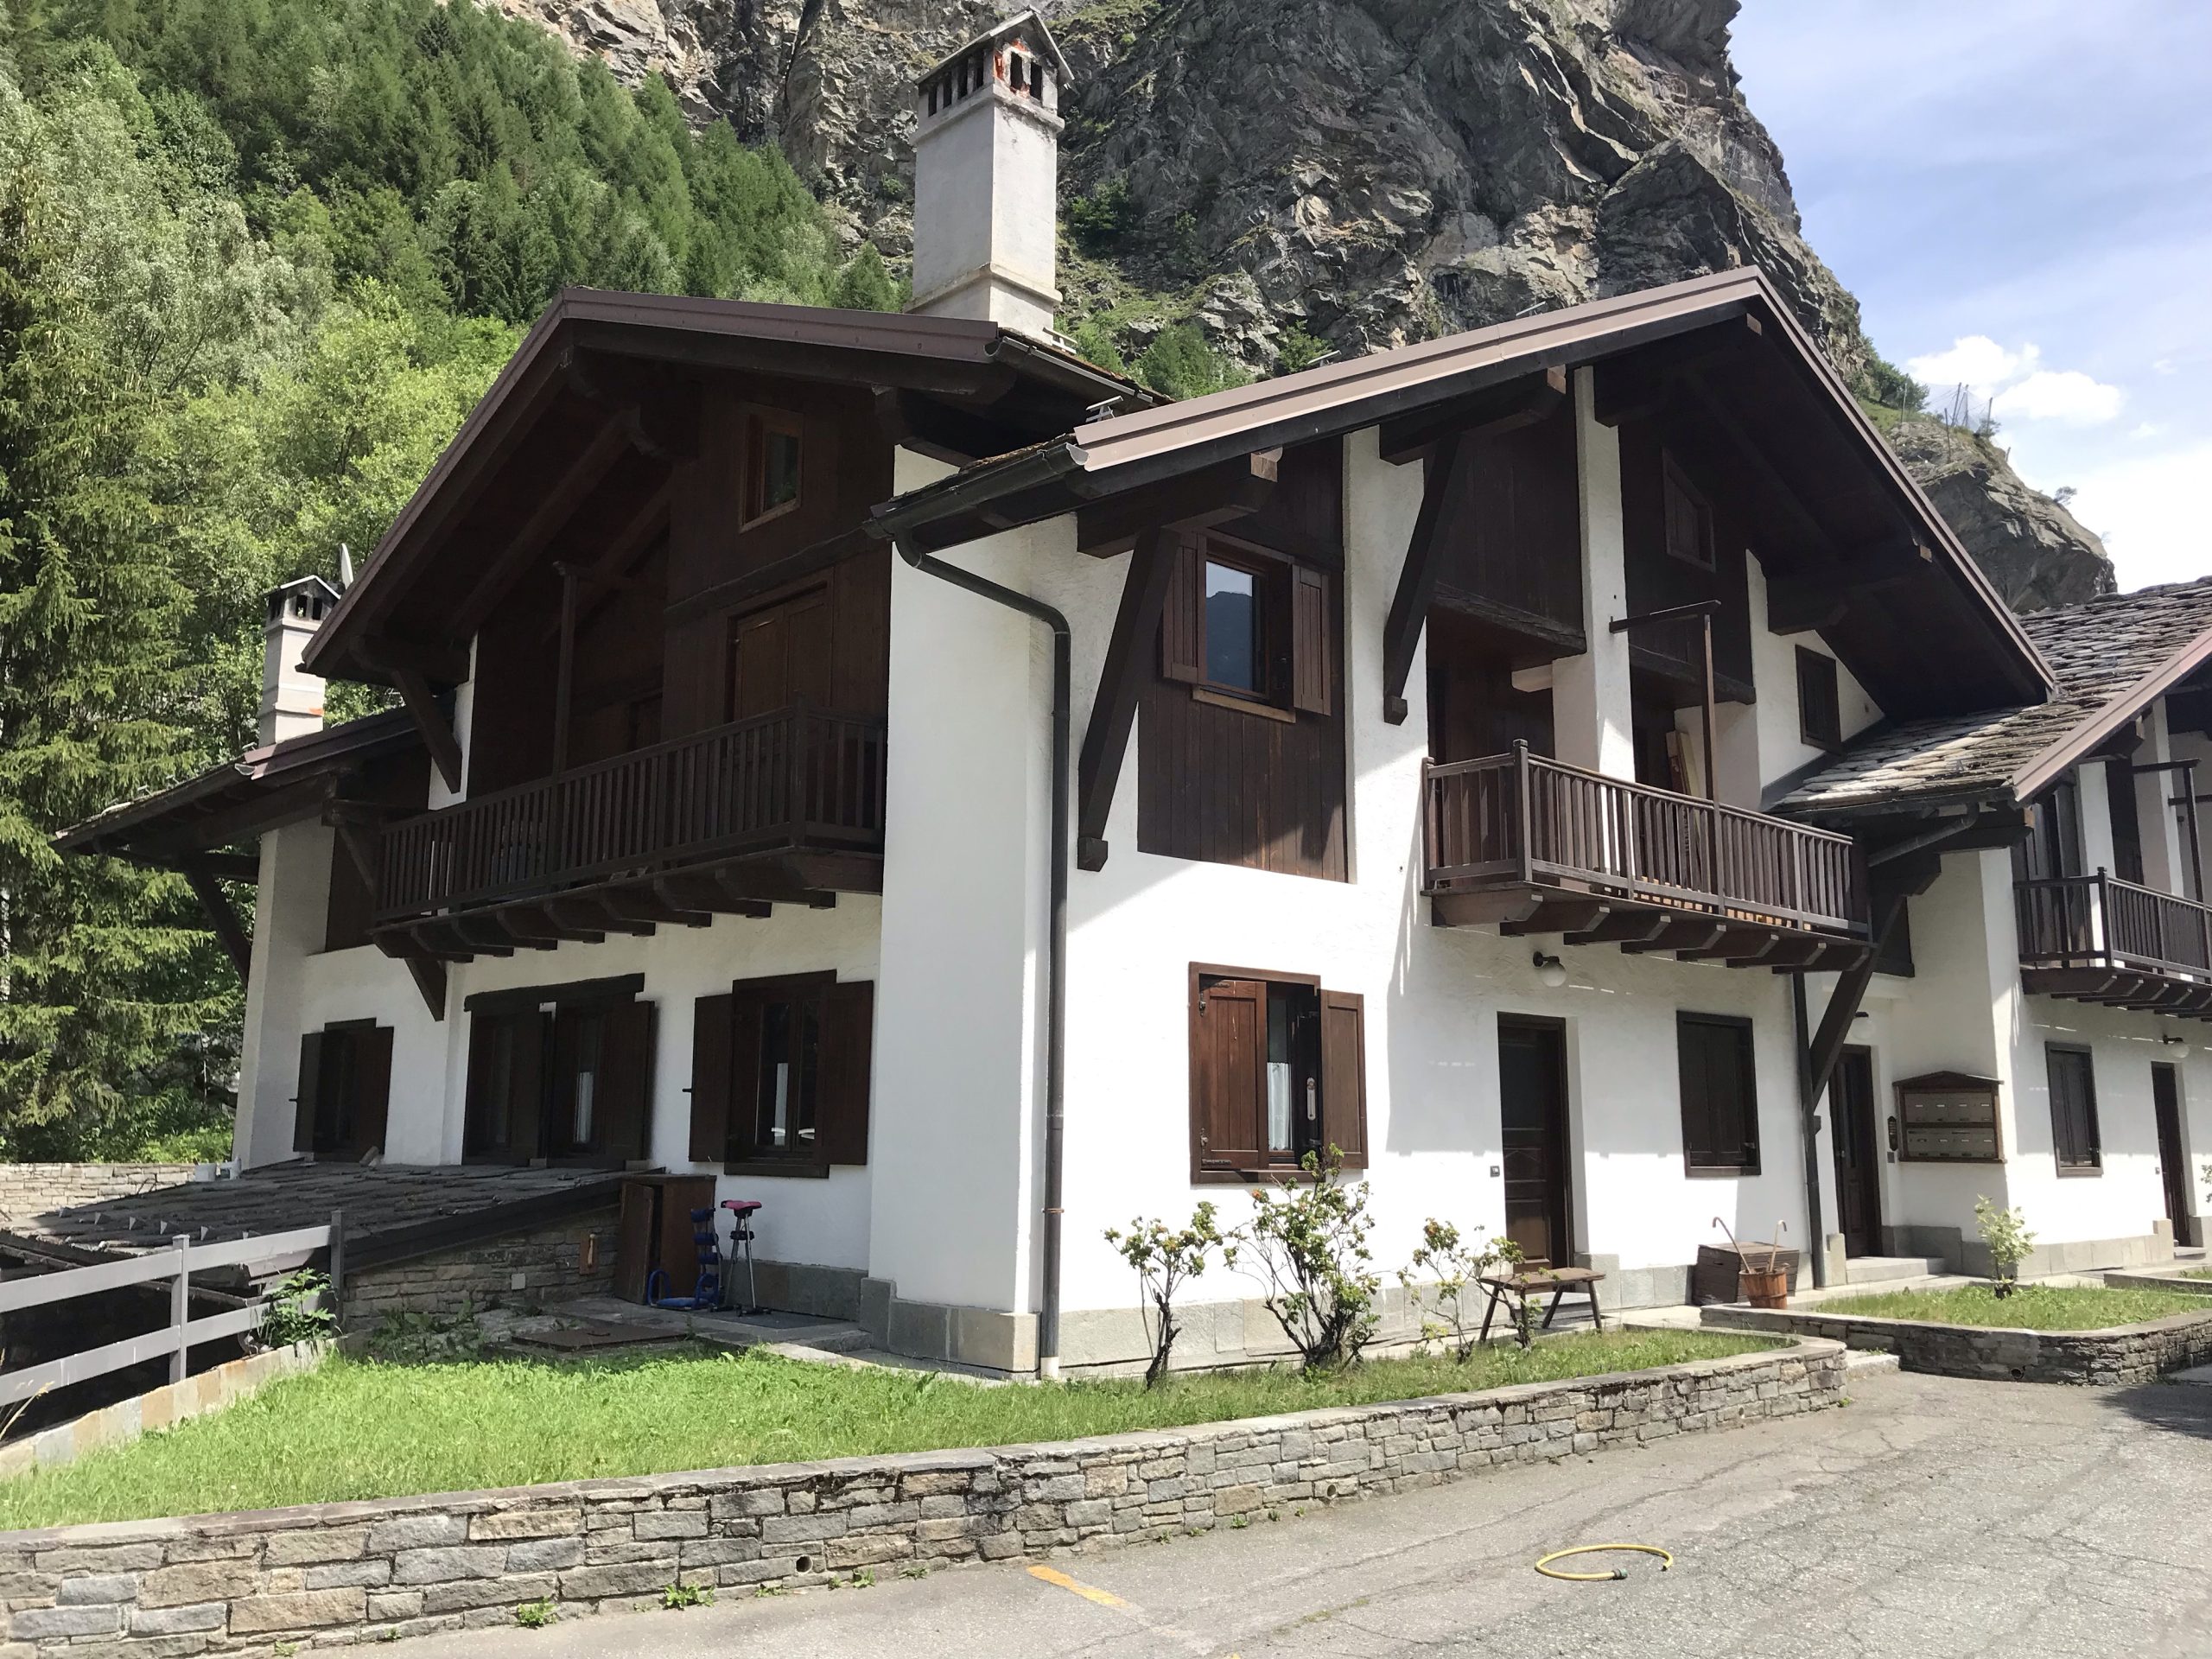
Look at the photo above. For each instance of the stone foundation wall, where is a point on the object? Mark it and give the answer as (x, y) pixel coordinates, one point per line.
(35, 1189)
(529, 1268)
(2117, 1357)
(2172, 1279)
(405, 1566)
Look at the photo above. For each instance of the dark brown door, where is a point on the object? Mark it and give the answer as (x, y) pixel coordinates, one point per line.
(1858, 1156)
(1531, 1109)
(780, 655)
(2173, 1162)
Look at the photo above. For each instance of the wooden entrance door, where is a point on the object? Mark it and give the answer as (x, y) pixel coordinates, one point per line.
(2173, 1162)
(1857, 1154)
(1531, 1109)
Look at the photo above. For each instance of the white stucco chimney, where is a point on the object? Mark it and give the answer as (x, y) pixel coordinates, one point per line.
(291, 699)
(987, 154)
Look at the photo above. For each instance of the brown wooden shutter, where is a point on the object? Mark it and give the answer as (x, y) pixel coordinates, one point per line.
(625, 1070)
(372, 1077)
(847, 1041)
(1344, 1075)
(310, 1090)
(712, 1018)
(1228, 1036)
(1312, 690)
(744, 1075)
(1182, 621)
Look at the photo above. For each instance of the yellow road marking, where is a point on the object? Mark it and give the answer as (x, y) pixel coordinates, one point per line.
(1088, 1592)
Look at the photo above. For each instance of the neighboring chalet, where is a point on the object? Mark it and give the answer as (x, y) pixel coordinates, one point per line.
(885, 764)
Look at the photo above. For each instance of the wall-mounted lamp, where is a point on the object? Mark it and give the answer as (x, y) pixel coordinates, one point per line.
(1551, 972)
(2172, 1041)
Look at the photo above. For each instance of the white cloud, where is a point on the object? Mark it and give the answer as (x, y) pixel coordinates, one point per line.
(1974, 361)
(2013, 385)
(2060, 395)
(2150, 509)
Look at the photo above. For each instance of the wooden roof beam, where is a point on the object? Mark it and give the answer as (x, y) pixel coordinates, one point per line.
(1217, 495)
(430, 720)
(1501, 408)
(221, 918)
(1637, 385)
(954, 436)
(576, 480)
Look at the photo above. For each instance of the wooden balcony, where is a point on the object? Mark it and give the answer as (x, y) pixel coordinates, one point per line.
(787, 807)
(2096, 938)
(1538, 847)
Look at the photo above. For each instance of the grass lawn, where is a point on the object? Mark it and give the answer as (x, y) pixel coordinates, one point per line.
(360, 1429)
(2031, 1308)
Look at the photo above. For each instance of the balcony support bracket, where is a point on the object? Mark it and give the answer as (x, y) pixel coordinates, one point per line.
(1401, 629)
(430, 721)
(1113, 707)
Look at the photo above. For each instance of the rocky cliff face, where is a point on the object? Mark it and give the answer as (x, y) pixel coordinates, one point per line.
(1372, 171)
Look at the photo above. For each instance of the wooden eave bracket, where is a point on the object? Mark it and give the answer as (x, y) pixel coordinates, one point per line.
(237, 944)
(1226, 491)
(1410, 605)
(431, 722)
(1113, 706)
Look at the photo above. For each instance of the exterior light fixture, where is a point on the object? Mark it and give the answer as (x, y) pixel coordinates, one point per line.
(1551, 972)
(2172, 1041)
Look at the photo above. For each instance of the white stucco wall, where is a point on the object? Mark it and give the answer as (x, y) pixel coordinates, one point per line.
(291, 909)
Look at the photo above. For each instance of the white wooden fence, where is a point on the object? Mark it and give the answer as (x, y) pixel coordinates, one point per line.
(182, 1332)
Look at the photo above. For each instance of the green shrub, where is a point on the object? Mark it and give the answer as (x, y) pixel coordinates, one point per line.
(1179, 364)
(1444, 1284)
(298, 1310)
(1164, 1261)
(1100, 221)
(2005, 1232)
(1307, 1244)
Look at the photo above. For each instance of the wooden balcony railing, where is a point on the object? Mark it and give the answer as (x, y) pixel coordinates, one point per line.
(797, 778)
(1520, 820)
(2101, 921)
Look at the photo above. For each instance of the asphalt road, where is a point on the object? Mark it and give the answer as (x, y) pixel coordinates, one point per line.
(1929, 1517)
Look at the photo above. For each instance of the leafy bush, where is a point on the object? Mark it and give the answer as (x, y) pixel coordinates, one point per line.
(2005, 1232)
(297, 1310)
(1299, 349)
(1164, 1261)
(1443, 1283)
(1100, 221)
(1307, 1244)
(537, 1614)
(1882, 381)
(1179, 364)
(677, 1596)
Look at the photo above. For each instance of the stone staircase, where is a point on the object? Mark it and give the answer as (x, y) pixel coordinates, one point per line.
(1889, 1270)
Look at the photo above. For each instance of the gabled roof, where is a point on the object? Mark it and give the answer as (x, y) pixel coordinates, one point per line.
(1022, 23)
(985, 366)
(1989, 660)
(2113, 656)
(238, 799)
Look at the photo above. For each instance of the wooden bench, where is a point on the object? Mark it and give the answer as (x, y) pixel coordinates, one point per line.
(1534, 1280)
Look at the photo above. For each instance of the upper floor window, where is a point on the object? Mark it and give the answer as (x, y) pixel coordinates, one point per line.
(1819, 711)
(773, 451)
(1689, 520)
(1236, 628)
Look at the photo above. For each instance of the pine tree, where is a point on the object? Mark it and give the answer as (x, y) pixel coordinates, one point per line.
(106, 980)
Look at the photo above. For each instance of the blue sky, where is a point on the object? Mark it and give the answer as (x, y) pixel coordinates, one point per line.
(2019, 192)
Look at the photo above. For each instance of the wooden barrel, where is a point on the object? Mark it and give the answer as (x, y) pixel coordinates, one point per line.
(1764, 1289)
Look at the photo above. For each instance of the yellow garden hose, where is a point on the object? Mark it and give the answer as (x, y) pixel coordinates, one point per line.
(1544, 1565)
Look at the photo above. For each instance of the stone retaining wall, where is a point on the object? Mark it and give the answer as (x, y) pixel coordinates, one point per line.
(532, 1269)
(2117, 1357)
(36, 1189)
(337, 1573)
(2172, 1279)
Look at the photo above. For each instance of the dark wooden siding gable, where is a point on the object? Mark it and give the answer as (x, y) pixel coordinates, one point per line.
(1233, 786)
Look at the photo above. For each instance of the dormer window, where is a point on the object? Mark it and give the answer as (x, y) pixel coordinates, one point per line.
(773, 454)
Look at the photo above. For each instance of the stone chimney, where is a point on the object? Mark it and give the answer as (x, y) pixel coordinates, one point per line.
(987, 151)
(291, 699)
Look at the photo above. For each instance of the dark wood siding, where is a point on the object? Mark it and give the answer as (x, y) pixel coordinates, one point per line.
(1657, 579)
(1514, 549)
(1260, 788)
(845, 468)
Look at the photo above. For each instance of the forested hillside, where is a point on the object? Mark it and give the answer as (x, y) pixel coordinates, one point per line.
(258, 257)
